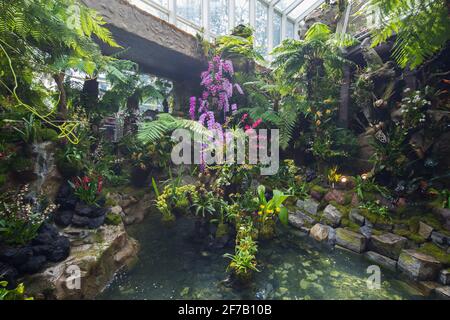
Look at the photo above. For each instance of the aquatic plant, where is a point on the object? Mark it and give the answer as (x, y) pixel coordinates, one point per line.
(269, 209)
(243, 261)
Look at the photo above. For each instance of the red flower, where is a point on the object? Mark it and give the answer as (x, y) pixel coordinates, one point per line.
(100, 184)
(257, 123)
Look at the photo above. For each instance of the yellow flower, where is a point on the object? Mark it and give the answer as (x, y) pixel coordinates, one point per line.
(308, 110)
(260, 213)
(328, 111)
(319, 113)
(269, 211)
(261, 206)
(328, 101)
(318, 122)
(278, 210)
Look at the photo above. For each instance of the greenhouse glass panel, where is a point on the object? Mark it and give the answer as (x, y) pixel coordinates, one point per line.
(218, 19)
(283, 4)
(276, 29)
(148, 7)
(290, 30)
(242, 11)
(261, 27)
(190, 10)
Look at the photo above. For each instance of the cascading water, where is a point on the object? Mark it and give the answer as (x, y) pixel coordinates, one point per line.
(44, 163)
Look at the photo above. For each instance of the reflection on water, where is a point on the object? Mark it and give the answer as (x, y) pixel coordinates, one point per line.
(174, 266)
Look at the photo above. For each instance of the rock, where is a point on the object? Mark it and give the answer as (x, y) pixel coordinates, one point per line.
(444, 277)
(355, 217)
(350, 240)
(366, 231)
(136, 211)
(425, 230)
(43, 239)
(309, 205)
(8, 273)
(316, 195)
(116, 210)
(427, 287)
(299, 220)
(33, 265)
(320, 232)
(388, 244)
(336, 196)
(381, 260)
(63, 218)
(332, 215)
(443, 292)
(94, 223)
(439, 238)
(15, 256)
(79, 221)
(97, 263)
(418, 266)
(83, 209)
(60, 250)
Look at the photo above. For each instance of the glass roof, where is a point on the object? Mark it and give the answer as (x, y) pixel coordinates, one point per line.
(273, 20)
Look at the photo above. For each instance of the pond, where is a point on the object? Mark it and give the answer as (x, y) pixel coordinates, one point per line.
(173, 266)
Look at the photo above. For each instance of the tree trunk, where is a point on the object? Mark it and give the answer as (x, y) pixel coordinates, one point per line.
(130, 121)
(62, 104)
(345, 98)
(89, 96)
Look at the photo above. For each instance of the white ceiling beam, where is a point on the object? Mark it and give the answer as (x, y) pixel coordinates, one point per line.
(231, 14)
(291, 8)
(314, 6)
(173, 12)
(252, 13)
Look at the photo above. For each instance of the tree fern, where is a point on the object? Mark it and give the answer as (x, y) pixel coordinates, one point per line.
(422, 28)
(151, 132)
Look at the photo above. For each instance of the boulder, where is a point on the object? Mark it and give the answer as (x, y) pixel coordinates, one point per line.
(382, 261)
(63, 218)
(440, 239)
(425, 230)
(309, 206)
(337, 196)
(356, 217)
(418, 266)
(95, 262)
(8, 273)
(351, 240)
(33, 265)
(84, 210)
(116, 210)
(366, 231)
(80, 221)
(320, 232)
(388, 244)
(443, 292)
(15, 256)
(299, 220)
(444, 277)
(332, 215)
(94, 223)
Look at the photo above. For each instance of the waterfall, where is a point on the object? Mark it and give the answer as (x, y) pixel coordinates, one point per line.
(43, 165)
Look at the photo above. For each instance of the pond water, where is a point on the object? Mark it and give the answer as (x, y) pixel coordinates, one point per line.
(173, 266)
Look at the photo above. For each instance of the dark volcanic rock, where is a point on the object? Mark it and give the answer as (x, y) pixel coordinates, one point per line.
(15, 256)
(79, 221)
(60, 250)
(94, 223)
(63, 218)
(33, 265)
(8, 273)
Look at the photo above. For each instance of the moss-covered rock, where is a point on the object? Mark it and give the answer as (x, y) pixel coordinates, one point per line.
(351, 240)
(388, 244)
(113, 219)
(438, 253)
(418, 266)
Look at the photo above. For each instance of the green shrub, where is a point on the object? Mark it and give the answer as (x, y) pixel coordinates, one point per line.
(113, 219)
